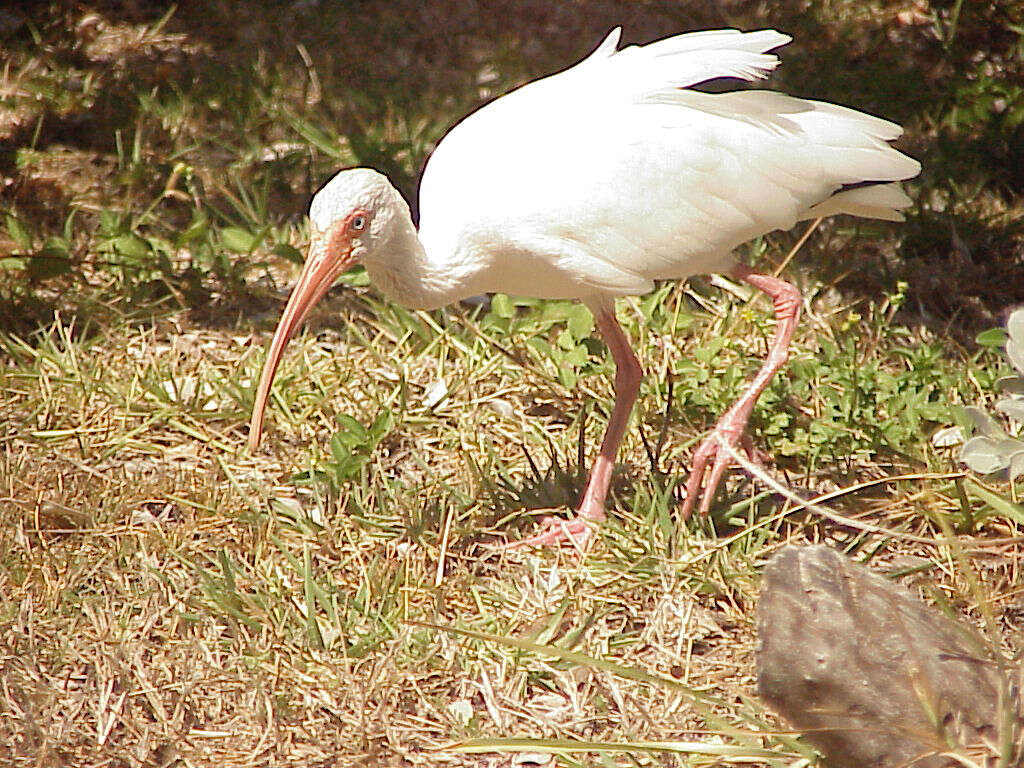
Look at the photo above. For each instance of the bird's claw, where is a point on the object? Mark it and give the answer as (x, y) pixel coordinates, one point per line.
(577, 531)
(555, 531)
(728, 432)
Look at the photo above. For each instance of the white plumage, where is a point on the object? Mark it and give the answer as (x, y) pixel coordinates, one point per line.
(597, 181)
(614, 177)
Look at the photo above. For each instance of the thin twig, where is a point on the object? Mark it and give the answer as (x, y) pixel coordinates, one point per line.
(814, 505)
(796, 248)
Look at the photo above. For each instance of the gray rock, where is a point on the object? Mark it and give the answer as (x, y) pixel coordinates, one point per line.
(871, 675)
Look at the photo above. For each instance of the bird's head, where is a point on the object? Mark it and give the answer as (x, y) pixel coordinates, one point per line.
(351, 218)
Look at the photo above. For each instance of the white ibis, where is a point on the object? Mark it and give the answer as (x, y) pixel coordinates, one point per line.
(597, 181)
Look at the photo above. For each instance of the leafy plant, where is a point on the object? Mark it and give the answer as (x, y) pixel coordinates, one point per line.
(52, 258)
(858, 403)
(568, 348)
(351, 448)
(995, 449)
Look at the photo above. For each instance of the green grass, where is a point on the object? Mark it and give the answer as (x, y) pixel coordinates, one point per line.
(165, 595)
(305, 568)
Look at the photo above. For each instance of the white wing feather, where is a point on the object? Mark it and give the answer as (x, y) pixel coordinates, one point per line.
(611, 174)
(683, 60)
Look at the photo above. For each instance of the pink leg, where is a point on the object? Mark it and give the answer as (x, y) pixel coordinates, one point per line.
(628, 374)
(786, 300)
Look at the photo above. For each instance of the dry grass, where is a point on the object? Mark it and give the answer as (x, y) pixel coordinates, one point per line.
(168, 599)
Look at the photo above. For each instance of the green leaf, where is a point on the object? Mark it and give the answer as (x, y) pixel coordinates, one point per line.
(382, 425)
(993, 337)
(710, 350)
(501, 305)
(313, 634)
(131, 247)
(541, 346)
(315, 136)
(110, 223)
(1002, 506)
(55, 247)
(565, 340)
(567, 376)
(289, 252)
(580, 322)
(684, 321)
(19, 232)
(356, 277)
(69, 225)
(352, 427)
(237, 240)
(578, 355)
(339, 450)
(196, 230)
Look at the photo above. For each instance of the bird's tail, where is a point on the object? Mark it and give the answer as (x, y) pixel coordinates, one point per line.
(875, 201)
(839, 147)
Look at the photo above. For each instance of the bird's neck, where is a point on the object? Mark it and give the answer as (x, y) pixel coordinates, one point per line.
(417, 278)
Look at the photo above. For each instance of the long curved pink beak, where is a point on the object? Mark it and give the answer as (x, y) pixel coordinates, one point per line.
(328, 258)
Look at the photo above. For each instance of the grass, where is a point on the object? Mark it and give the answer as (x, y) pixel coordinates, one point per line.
(195, 597)
(168, 598)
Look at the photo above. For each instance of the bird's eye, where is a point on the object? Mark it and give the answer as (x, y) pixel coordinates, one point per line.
(358, 222)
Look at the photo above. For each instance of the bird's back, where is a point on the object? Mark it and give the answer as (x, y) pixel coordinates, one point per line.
(612, 174)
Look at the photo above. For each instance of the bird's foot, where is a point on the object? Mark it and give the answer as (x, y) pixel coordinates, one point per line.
(556, 531)
(712, 455)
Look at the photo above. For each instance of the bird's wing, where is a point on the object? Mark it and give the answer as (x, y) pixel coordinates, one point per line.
(682, 60)
(613, 173)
